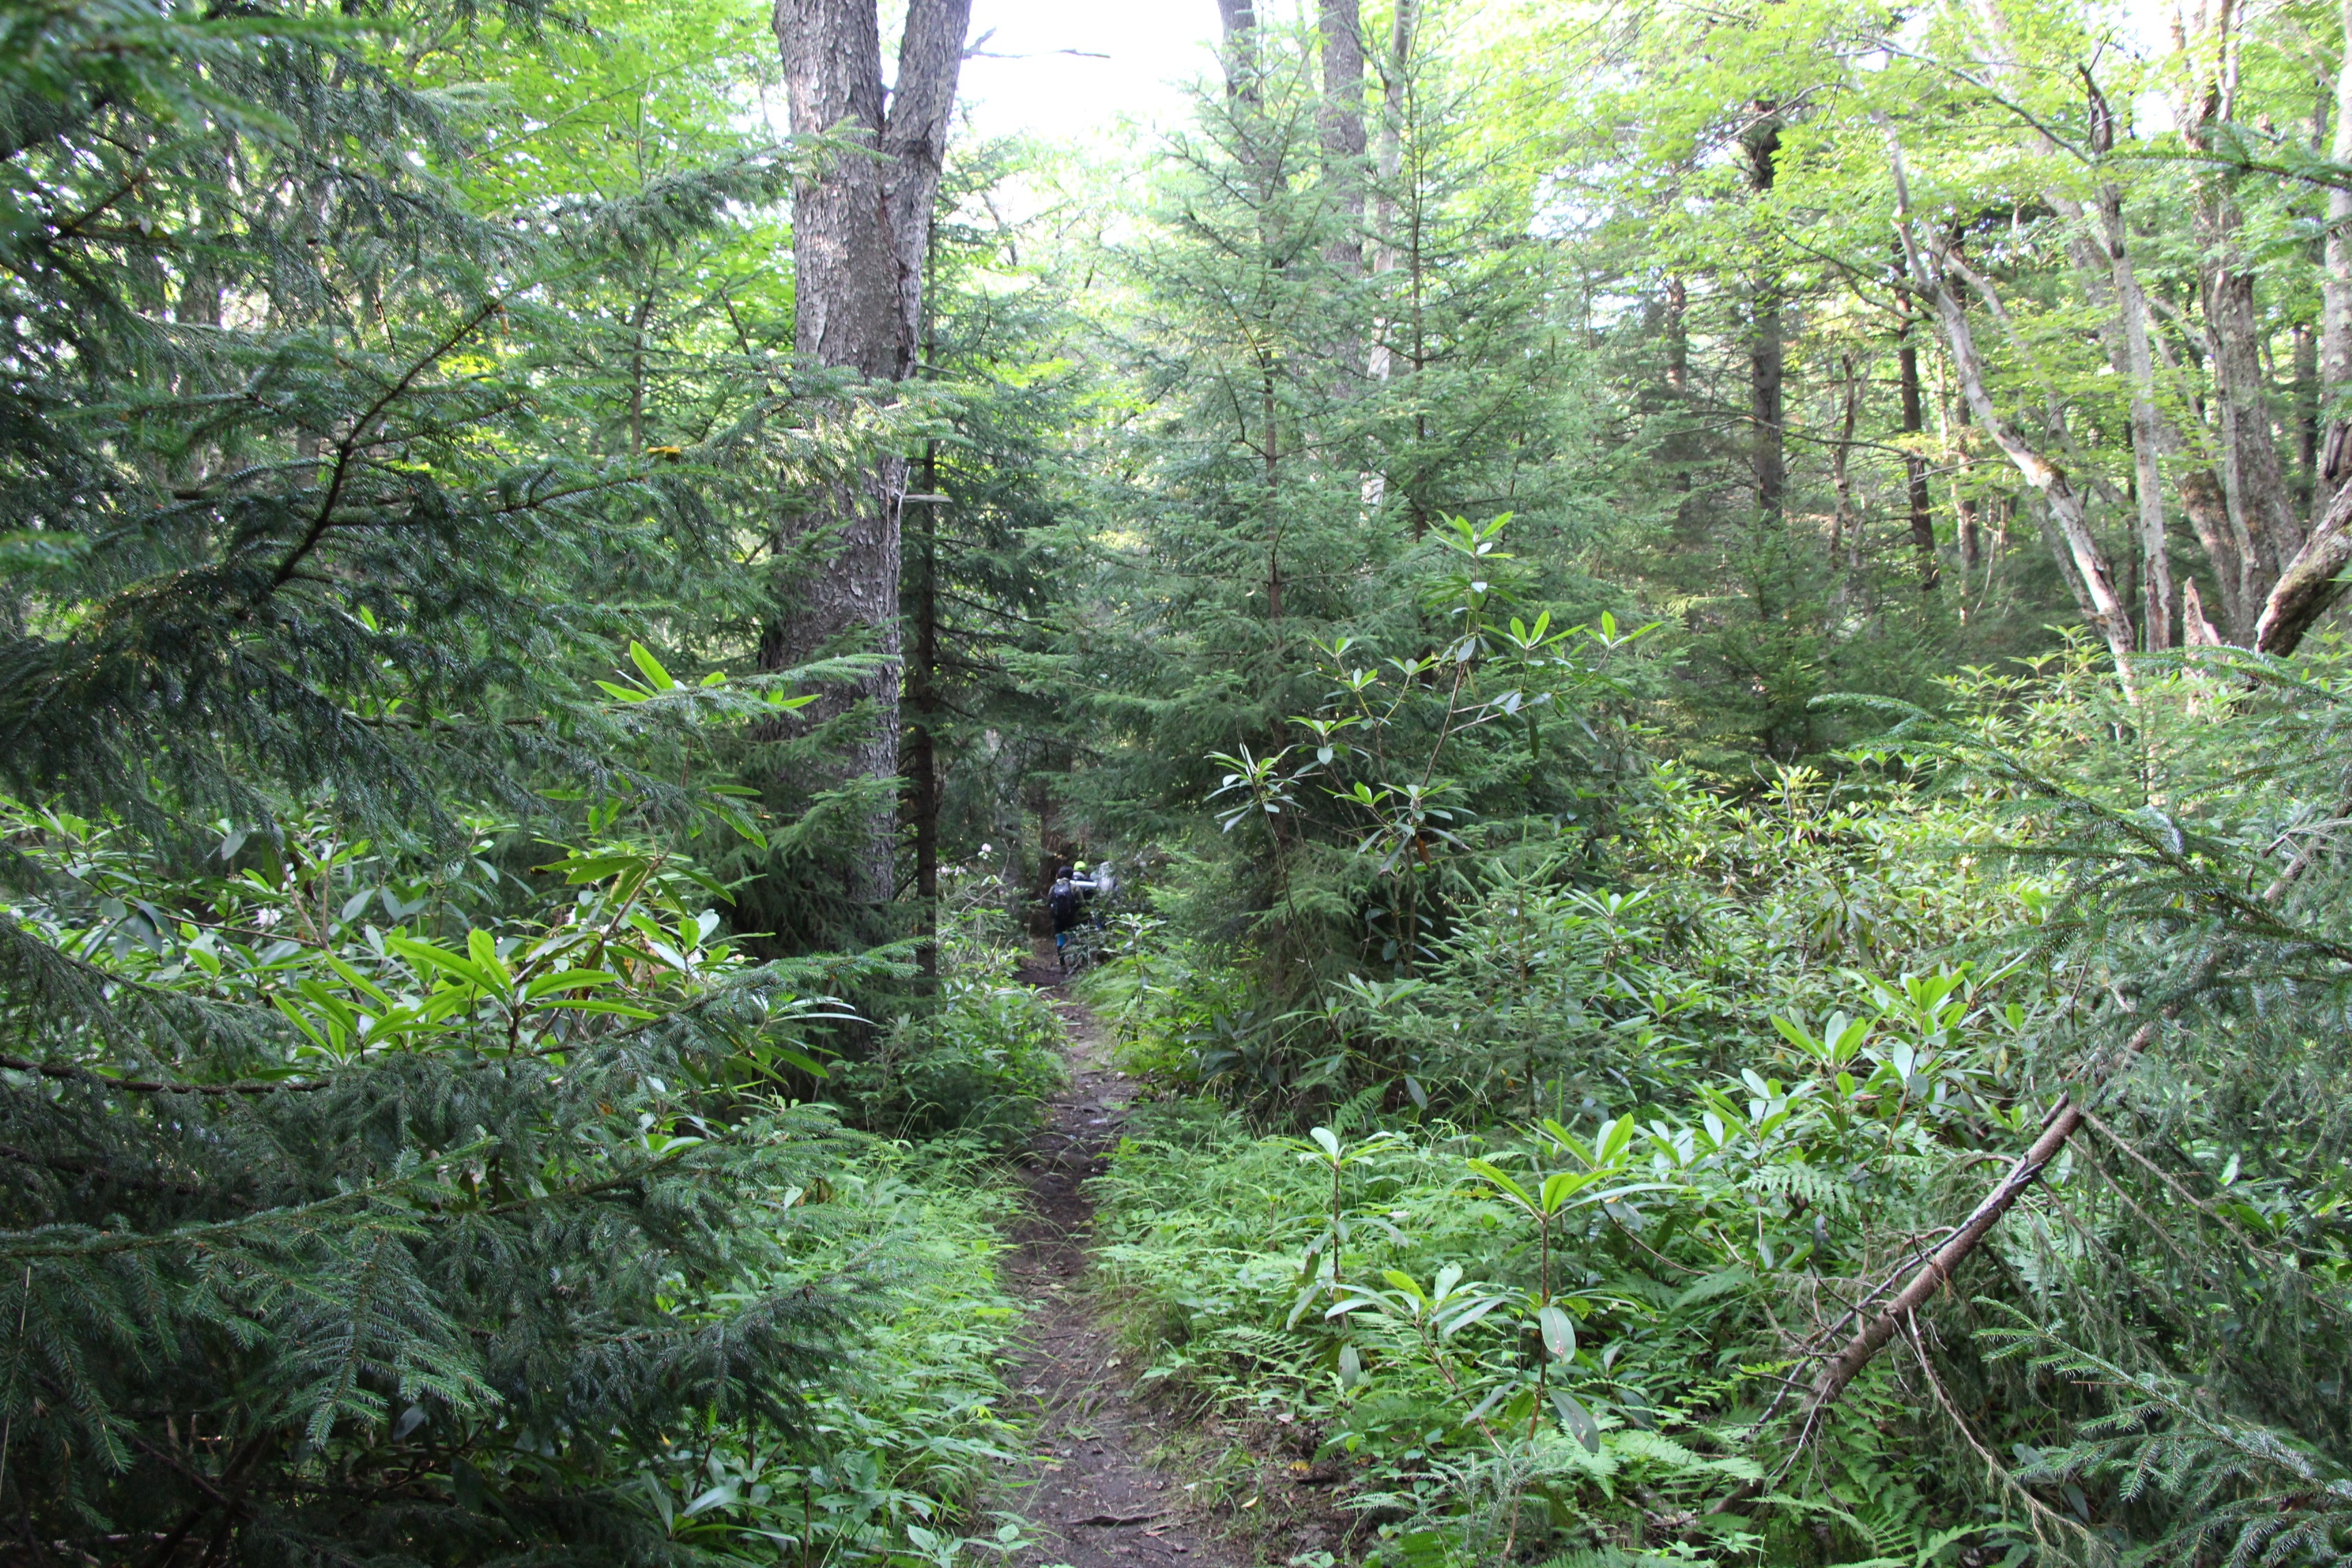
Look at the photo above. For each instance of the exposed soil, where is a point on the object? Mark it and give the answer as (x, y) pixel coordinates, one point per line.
(1093, 1498)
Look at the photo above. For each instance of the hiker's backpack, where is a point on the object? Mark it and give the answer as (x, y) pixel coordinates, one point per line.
(1062, 903)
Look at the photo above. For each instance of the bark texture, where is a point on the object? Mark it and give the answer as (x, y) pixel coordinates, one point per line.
(1342, 125)
(2151, 437)
(861, 227)
(2308, 587)
(2336, 301)
(2263, 526)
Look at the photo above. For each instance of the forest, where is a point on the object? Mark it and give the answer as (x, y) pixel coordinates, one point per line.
(1569, 789)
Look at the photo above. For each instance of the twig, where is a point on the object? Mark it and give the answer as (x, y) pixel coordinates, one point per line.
(2034, 1506)
(161, 1086)
(346, 448)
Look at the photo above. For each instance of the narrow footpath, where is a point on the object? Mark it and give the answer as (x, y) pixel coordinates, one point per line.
(1091, 1493)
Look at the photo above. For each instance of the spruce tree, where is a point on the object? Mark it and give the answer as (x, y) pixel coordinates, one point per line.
(380, 1182)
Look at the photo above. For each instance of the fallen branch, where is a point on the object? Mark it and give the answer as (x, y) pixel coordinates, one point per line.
(1846, 1365)
(2065, 1118)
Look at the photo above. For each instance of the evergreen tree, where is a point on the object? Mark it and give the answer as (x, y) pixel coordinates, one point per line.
(371, 1196)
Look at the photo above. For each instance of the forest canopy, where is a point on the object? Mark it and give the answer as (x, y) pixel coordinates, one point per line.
(1667, 685)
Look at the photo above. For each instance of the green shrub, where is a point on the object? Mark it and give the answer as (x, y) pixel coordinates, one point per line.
(982, 1064)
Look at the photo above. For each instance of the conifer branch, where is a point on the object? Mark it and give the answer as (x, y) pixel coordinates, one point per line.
(349, 445)
(161, 1086)
(36, 1244)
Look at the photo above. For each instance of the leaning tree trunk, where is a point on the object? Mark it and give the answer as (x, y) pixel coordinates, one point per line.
(861, 224)
(1931, 267)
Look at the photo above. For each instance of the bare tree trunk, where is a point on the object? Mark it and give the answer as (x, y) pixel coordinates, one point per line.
(923, 709)
(1927, 266)
(2306, 420)
(1342, 121)
(2252, 482)
(1845, 524)
(2208, 517)
(1677, 451)
(2150, 436)
(2110, 283)
(2336, 295)
(1915, 425)
(861, 225)
(2251, 470)
(2196, 631)
(1966, 522)
(1390, 162)
(1766, 348)
(2308, 587)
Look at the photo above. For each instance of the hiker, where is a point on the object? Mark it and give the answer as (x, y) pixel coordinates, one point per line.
(1065, 903)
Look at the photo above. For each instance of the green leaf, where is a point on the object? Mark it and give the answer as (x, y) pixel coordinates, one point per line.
(1494, 1177)
(650, 667)
(1559, 1333)
(1577, 1419)
(568, 980)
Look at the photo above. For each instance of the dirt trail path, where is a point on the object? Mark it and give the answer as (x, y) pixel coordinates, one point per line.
(1094, 1499)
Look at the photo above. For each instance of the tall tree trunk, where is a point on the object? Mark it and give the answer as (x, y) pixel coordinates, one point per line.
(1845, 522)
(2110, 283)
(1342, 123)
(1915, 425)
(2150, 436)
(2309, 584)
(2306, 419)
(1239, 18)
(1966, 523)
(1766, 348)
(2335, 297)
(1389, 162)
(861, 227)
(921, 763)
(1677, 452)
(2253, 480)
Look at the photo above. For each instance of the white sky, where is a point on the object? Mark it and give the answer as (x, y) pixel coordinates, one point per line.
(1027, 84)
(1153, 49)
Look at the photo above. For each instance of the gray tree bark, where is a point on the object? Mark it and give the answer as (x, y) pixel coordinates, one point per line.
(2262, 522)
(1341, 124)
(861, 225)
